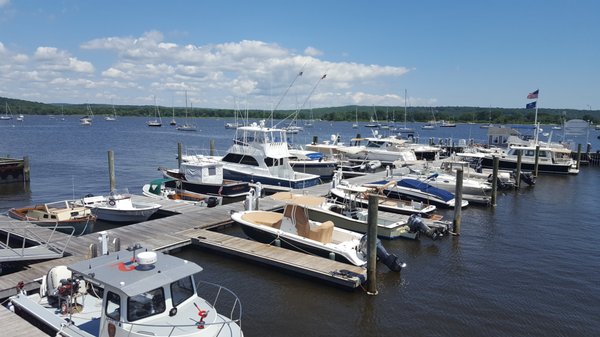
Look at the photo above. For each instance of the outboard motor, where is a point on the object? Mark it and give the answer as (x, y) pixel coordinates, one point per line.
(212, 202)
(416, 224)
(390, 260)
(528, 178)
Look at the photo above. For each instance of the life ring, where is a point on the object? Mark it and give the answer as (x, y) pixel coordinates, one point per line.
(111, 202)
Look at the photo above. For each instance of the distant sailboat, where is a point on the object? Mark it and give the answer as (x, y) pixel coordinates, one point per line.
(404, 128)
(112, 117)
(173, 122)
(186, 126)
(432, 124)
(87, 119)
(355, 125)
(7, 114)
(157, 121)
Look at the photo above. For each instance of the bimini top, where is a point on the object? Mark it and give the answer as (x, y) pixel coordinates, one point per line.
(133, 276)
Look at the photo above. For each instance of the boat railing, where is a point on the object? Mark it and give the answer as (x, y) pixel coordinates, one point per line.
(224, 301)
(35, 242)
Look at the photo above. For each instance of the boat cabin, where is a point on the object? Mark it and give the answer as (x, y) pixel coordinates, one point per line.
(60, 211)
(203, 170)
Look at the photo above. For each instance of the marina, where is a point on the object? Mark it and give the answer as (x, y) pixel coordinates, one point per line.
(480, 274)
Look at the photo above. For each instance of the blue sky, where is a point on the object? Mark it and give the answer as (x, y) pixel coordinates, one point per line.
(228, 54)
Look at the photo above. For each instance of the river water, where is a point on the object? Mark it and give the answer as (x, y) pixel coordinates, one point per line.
(528, 267)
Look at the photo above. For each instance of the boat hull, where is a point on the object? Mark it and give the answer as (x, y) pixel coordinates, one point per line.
(138, 214)
(80, 226)
(233, 174)
(510, 164)
(229, 188)
(289, 242)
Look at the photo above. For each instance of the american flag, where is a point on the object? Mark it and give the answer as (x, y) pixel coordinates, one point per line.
(533, 95)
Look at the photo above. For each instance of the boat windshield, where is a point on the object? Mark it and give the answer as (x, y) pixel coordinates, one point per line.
(146, 304)
(181, 290)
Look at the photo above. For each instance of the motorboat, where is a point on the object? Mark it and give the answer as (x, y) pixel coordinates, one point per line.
(293, 229)
(384, 149)
(158, 189)
(349, 214)
(261, 154)
(118, 207)
(358, 194)
(416, 190)
(59, 213)
(312, 162)
(550, 159)
(132, 292)
(204, 175)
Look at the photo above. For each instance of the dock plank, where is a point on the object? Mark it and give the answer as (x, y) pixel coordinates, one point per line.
(15, 326)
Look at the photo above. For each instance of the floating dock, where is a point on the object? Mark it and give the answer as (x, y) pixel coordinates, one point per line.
(186, 225)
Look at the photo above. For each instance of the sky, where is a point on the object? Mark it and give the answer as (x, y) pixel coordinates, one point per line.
(249, 54)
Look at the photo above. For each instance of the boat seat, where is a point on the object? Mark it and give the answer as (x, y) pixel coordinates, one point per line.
(322, 233)
(265, 218)
(299, 218)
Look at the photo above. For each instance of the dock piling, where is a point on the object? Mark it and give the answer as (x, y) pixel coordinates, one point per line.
(518, 177)
(495, 181)
(458, 201)
(26, 169)
(111, 171)
(578, 155)
(537, 159)
(372, 244)
(179, 154)
(212, 147)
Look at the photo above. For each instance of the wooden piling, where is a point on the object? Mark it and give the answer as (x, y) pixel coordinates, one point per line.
(518, 177)
(179, 154)
(578, 155)
(315, 140)
(372, 244)
(495, 181)
(26, 170)
(212, 147)
(458, 201)
(112, 181)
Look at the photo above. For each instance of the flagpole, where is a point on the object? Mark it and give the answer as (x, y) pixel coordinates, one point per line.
(537, 128)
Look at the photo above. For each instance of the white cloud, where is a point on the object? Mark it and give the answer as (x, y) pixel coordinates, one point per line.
(213, 74)
(4, 3)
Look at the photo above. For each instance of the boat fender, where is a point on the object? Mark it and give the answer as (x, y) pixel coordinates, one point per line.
(111, 202)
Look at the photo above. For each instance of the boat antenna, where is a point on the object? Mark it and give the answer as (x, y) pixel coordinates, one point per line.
(295, 114)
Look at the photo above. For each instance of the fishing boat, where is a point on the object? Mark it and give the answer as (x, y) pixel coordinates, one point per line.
(133, 292)
(312, 162)
(294, 230)
(349, 215)
(118, 207)
(204, 175)
(261, 154)
(157, 189)
(59, 213)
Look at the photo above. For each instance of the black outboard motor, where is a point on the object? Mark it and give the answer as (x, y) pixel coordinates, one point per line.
(212, 202)
(390, 260)
(528, 178)
(416, 224)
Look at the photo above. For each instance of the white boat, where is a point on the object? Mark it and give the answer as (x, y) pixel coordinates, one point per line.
(134, 293)
(187, 126)
(312, 162)
(156, 121)
(357, 194)
(20, 118)
(113, 117)
(384, 149)
(173, 122)
(350, 215)
(87, 119)
(118, 207)
(416, 190)
(261, 154)
(296, 231)
(7, 113)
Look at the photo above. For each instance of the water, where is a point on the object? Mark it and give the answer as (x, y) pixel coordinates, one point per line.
(529, 267)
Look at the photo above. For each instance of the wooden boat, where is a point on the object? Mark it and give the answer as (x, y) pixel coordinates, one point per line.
(158, 190)
(60, 213)
(118, 207)
(135, 293)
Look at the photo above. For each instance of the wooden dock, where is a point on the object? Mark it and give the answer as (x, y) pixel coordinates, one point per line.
(188, 225)
(14, 326)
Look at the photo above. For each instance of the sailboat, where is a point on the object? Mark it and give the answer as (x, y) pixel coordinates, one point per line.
(113, 117)
(157, 121)
(355, 125)
(432, 124)
(186, 126)
(405, 129)
(87, 119)
(374, 122)
(173, 122)
(7, 114)
(489, 125)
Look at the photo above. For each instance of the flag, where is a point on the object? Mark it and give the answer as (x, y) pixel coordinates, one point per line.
(530, 105)
(324, 76)
(300, 74)
(533, 95)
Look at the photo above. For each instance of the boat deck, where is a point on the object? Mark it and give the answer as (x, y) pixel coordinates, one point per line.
(189, 225)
